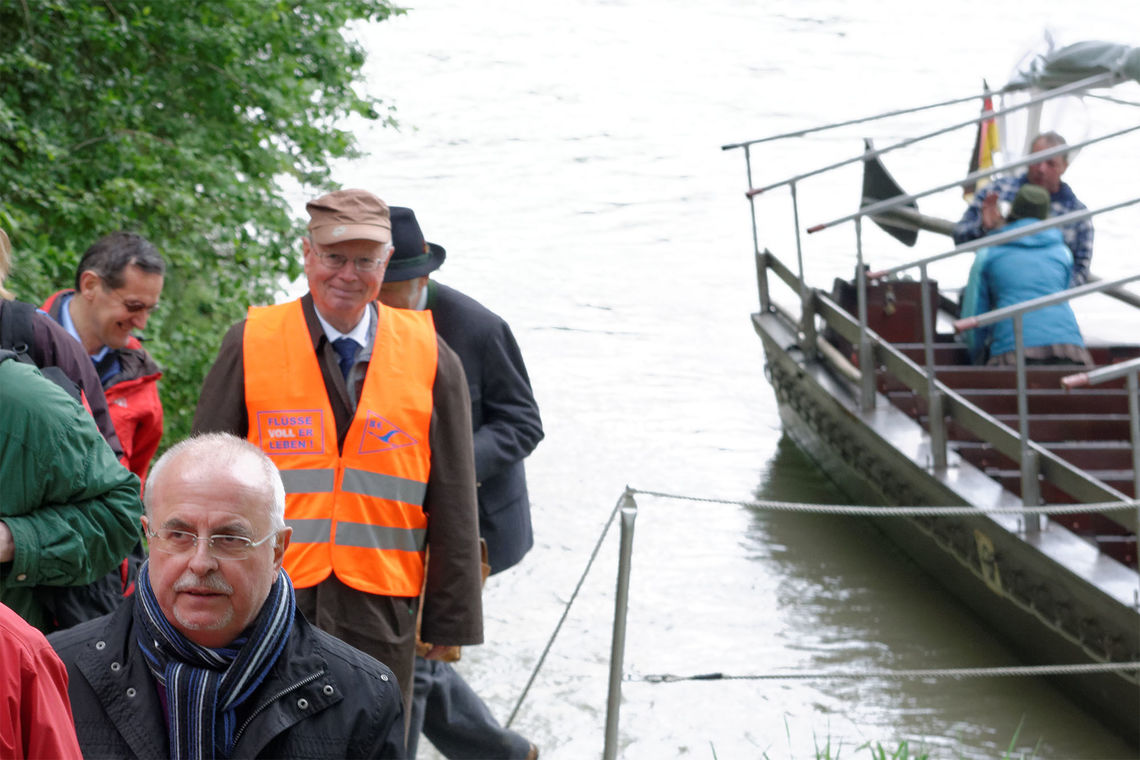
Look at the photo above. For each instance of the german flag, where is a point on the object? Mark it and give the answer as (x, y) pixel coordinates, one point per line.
(987, 142)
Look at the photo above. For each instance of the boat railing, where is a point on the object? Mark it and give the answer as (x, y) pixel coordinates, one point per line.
(867, 396)
(888, 204)
(944, 400)
(1128, 370)
(1030, 468)
(934, 396)
(872, 349)
(1073, 87)
(999, 238)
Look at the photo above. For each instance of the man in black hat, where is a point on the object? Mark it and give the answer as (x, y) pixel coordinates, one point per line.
(507, 428)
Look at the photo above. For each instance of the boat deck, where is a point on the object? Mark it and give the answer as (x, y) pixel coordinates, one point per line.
(1087, 427)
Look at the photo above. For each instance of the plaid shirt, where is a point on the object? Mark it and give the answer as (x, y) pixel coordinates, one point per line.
(1078, 235)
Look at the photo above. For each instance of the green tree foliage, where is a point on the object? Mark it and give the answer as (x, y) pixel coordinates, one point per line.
(176, 120)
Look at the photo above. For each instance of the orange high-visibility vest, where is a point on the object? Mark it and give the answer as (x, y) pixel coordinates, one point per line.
(357, 512)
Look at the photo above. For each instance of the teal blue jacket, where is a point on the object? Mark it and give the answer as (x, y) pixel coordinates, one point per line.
(1029, 267)
(72, 509)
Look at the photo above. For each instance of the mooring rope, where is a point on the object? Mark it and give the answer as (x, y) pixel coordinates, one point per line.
(958, 673)
(853, 511)
(911, 511)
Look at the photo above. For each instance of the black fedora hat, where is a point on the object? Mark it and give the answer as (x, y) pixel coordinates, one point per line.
(413, 256)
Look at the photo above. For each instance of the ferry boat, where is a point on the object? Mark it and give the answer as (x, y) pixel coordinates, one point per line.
(874, 382)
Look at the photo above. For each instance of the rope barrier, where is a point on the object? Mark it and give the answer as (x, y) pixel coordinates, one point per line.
(853, 511)
(957, 673)
(565, 614)
(908, 511)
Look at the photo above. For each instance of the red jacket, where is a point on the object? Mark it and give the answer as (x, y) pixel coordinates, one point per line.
(132, 397)
(35, 714)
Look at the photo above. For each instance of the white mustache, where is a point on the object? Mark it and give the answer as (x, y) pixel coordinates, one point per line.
(213, 582)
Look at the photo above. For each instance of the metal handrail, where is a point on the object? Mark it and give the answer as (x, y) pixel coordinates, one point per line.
(628, 506)
(1019, 309)
(1016, 312)
(967, 414)
(1100, 375)
(997, 238)
(852, 122)
(1033, 158)
(876, 152)
(935, 393)
(1128, 369)
(937, 423)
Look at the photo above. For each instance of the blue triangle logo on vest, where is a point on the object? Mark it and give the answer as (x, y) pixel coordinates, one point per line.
(381, 435)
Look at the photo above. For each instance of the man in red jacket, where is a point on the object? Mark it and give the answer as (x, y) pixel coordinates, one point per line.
(117, 285)
(35, 717)
(35, 714)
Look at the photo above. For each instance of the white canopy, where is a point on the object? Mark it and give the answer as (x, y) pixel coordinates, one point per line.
(1075, 62)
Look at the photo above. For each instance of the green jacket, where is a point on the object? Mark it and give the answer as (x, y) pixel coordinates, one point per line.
(73, 510)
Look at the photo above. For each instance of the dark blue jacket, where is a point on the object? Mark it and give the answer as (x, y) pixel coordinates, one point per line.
(504, 415)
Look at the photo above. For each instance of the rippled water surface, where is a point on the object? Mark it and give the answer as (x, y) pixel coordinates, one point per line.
(567, 155)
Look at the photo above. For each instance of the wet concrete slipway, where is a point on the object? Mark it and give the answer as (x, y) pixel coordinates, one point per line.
(567, 155)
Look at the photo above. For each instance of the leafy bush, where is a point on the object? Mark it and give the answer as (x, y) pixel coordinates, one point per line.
(175, 120)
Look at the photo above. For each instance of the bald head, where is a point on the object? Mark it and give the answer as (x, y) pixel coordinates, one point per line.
(211, 453)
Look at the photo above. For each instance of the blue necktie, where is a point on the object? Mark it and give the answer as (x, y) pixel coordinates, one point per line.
(346, 349)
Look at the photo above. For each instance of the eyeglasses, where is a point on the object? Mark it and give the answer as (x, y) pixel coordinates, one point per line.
(335, 261)
(134, 307)
(221, 545)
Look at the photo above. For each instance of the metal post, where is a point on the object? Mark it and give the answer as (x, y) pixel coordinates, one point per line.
(761, 263)
(762, 281)
(1134, 429)
(933, 395)
(621, 605)
(1030, 485)
(866, 360)
(807, 318)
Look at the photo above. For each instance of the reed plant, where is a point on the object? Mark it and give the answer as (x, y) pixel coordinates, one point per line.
(904, 751)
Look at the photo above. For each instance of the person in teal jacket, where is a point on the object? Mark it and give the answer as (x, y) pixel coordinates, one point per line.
(1035, 265)
(69, 512)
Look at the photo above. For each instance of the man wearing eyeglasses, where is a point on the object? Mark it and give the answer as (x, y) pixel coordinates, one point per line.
(367, 415)
(209, 658)
(117, 285)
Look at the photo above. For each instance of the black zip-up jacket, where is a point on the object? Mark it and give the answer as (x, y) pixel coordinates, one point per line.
(322, 699)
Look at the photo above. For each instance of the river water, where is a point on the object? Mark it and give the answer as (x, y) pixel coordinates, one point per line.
(567, 155)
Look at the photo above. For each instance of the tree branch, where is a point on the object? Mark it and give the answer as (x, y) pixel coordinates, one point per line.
(118, 133)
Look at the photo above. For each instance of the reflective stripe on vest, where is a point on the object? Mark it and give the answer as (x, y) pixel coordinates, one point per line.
(357, 511)
(358, 534)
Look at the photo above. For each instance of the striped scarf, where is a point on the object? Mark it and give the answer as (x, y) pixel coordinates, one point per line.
(205, 686)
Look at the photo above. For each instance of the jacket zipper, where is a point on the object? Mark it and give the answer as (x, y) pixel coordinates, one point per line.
(274, 698)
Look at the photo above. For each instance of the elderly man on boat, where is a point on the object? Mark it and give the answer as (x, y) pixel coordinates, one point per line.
(982, 216)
